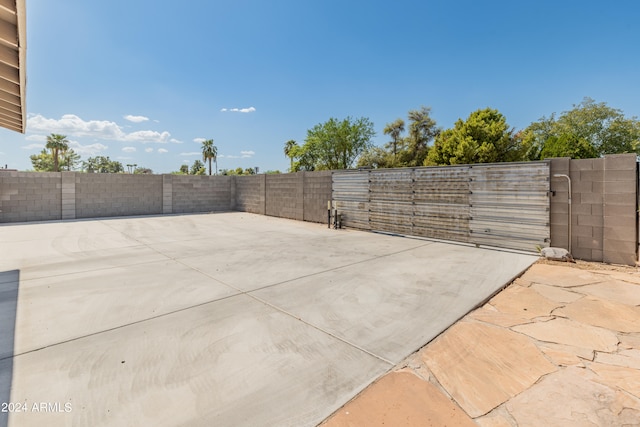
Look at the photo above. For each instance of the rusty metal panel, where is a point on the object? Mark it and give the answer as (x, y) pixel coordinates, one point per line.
(509, 205)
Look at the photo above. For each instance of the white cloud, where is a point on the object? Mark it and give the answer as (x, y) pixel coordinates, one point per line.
(146, 136)
(192, 153)
(33, 147)
(136, 119)
(162, 150)
(70, 124)
(148, 150)
(87, 150)
(176, 141)
(230, 157)
(247, 154)
(239, 110)
(41, 138)
(199, 140)
(129, 149)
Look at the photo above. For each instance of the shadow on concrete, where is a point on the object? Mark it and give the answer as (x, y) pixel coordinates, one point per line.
(9, 283)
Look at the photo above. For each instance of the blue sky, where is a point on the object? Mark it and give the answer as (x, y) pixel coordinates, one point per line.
(145, 81)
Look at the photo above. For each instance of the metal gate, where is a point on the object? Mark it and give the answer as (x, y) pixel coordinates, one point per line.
(504, 205)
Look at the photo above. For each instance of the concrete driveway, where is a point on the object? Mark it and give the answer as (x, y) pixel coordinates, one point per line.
(228, 319)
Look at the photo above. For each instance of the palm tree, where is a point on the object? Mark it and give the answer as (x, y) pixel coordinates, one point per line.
(210, 152)
(57, 143)
(289, 150)
(394, 129)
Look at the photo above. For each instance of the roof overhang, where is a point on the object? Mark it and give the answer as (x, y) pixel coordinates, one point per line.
(13, 72)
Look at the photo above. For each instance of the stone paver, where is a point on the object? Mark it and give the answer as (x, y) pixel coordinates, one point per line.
(560, 276)
(565, 331)
(479, 365)
(570, 398)
(613, 290)
(559, 347)
(401, 399)
(602, 313)
(523, 302)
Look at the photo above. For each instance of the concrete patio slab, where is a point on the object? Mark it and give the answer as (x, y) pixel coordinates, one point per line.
(227, 319)
(392, 305)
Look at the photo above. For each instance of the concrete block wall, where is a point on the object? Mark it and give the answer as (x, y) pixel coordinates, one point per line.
(620, 232)
(285, 195)
(204, 193)
(104, 195)
(317, 191)
(603, 218)
(250, 193)
(30, 196)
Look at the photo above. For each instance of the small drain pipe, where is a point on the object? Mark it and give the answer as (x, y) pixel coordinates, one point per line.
(560, 175)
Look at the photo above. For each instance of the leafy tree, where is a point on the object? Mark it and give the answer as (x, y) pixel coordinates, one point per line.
(567, 146)
(44, 161)
(210, 152)
(606, 129)
(335, 144)
(422, 130)
(412, 149)
(376, 157)
(484, 137)
(57, 143)
(143, 171)
(184, 169)
(289, 150)
(70, 159)
(394, 129)
(197, 168)
(102, 164)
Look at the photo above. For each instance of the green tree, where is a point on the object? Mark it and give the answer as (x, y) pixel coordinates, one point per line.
(102, 164)
(376, 157)
(422, 131)
(606, 129)
(70, 159)
(57, 143)
(184, 169)
(484, 137)
(412, 149)
(210, 152)
(394, 129)
(143, 171)
(335, 144)
(43, 162)
(198, 168)
(289, 150)
(567, 146)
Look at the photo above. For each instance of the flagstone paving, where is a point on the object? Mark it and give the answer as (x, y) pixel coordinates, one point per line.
(560, 346)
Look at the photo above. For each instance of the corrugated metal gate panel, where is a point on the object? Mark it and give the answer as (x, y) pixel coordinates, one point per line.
(503, 205)
(350, 193)
(441, 201)
(391, 200)
(509, 205)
